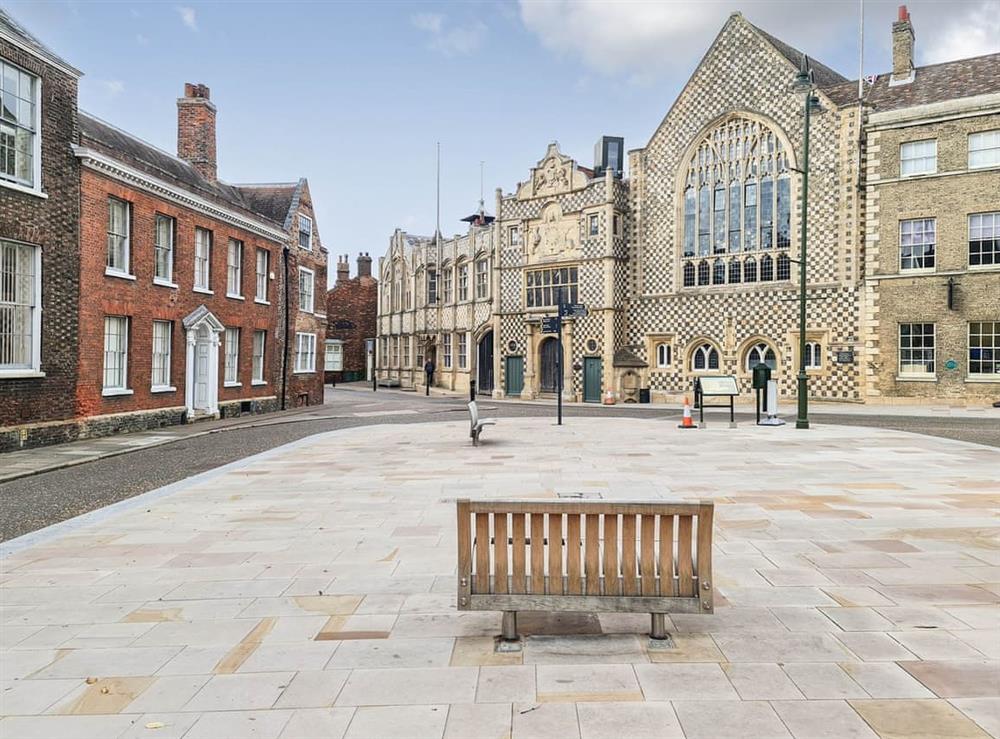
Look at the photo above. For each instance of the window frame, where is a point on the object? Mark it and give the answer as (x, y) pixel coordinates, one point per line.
(34, 187)
(169, 251)
(924, 256)
(756, 347)
(123, 388)
(258, 363)
(462, 350)
(593, 224)
(126, 240)
(514, 236)
(994, 250)
(996, 149)
(705, 349)
(462, 280)
(310, 354)
(208, 242)
(165, 359)
(309, 231)
(903, 158)
(482, 272)
(260, 277)
(31, 368)
(446, 351)
(231, 359)
(312, 290)
(333, 347)
(539, 283)
(909, 374)
(234, 270)
(814, 355)
(994, 350)
(663, 354)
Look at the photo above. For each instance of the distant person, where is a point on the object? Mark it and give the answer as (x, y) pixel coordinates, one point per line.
(429, 371)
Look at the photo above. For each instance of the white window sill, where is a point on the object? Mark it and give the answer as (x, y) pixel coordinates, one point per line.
(307, 312)
(995, 379)
(916, 378)
(258, 301)
(120, 275)
(20, 374)
(232, 384)
(162, 389)
(917, 271)
(304, 372)
(26, 189)
(109, 392)
(203, 290)
(914, 175)
(983, 267)
(258, 383)
(319, 315)
(164, 283)
(231, 296)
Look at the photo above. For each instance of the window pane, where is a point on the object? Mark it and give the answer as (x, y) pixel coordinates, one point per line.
(19, 314)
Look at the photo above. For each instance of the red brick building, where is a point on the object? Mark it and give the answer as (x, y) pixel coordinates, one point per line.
(351, 310)
(137, 289)
(39, 262)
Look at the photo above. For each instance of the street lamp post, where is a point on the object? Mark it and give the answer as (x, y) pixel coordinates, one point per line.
(803, 83)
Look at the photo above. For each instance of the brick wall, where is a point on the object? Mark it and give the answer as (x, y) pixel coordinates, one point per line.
(50, 223)
(351, 308)
(143, 301)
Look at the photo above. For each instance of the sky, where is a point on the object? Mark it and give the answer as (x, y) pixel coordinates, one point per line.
(355, 95)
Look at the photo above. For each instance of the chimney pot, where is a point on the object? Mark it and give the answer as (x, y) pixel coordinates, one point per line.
(902, 49)
(364, 265)
(196, 129)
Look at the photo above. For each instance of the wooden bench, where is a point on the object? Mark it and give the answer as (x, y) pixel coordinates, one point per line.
(606, 556)
(477, 423)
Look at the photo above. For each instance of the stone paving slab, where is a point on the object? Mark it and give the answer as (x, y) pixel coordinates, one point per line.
(309, 592)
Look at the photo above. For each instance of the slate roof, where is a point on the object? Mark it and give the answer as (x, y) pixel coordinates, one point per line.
(933, 83)
(10, 27)
(278, 201)
(128, 149)
(625, 357)
(822, 74)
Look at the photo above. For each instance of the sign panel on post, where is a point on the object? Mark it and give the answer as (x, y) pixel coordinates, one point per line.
(550, 325)
(573, 310)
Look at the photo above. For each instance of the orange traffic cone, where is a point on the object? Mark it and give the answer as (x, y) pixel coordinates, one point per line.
(686, 422)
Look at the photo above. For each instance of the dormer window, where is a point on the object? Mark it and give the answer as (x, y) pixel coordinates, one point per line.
(20, 144)
(305, 232)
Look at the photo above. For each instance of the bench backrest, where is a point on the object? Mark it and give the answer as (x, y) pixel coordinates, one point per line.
(611, 549)
(474, 412)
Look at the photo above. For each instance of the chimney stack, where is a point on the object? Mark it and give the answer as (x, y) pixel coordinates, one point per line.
(343, 269)
(364, 265)
(196, 130)
(902, 49)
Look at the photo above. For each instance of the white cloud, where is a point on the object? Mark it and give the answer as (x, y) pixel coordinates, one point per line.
(450, 40)
(642, 41)
(971, 34)
(188, 17)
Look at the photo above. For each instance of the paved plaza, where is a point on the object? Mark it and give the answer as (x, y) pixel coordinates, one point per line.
(857, 574)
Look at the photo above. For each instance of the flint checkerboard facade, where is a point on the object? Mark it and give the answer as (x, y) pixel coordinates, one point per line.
(669, 300)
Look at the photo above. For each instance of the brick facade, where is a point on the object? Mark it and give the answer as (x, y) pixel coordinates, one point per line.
(351, 307)
(31, 400)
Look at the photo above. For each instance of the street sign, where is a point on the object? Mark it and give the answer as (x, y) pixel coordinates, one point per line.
(550, 325)
(573, 310)
(845, 357)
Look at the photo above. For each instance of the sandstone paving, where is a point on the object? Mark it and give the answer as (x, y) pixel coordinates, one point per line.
(310, 591)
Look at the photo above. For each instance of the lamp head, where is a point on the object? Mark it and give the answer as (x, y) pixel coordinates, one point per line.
(803, 81)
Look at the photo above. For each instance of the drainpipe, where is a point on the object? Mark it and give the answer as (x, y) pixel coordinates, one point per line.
(284, 354)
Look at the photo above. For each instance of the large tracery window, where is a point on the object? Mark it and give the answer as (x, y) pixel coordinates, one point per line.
(737, 198)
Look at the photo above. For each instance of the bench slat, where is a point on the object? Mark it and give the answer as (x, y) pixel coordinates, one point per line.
(592, 558)
(482, 553)
(612, 582)
(647, 554)
(574, 577)
(538, 553)
(685, 584)
(667, 555)
(500, 554)
(518, 546)
(555, 554)
(630, 585)
(584, 506)
(464, 550)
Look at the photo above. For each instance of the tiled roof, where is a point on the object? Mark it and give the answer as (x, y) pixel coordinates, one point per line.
(10, 27)
(822, 74)
(276, 201)
(934, 83)
(128, 149)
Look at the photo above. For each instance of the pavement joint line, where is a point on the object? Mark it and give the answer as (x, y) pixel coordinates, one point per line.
(13, 546)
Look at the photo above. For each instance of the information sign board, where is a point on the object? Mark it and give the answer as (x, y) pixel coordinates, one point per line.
(573, 310)
(719, 385)
(550, 325)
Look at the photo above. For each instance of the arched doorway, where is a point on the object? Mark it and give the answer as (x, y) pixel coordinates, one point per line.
(484, 364)
(548, 353)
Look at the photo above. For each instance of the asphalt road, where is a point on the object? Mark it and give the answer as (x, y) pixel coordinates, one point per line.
(31, 503)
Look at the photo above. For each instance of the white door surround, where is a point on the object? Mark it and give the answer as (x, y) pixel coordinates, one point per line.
(201, 375)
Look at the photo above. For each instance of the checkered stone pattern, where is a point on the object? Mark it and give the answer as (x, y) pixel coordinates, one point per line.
(511, 330)
(593, 246)
(510, 290)
(512, 209)
(756, 79)
(590, 290)
(698, 317)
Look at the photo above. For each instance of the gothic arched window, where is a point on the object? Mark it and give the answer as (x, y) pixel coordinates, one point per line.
(734, 270)
(759, 353)
(766, 268)
(737, 196)
(689, 275)
(705, 357)
(750, 270)
(703, 272)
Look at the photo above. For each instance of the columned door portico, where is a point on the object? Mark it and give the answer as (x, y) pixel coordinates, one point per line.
(201, 369)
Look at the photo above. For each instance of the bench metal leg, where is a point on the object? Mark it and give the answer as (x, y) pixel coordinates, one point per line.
(658, 628)
(508, 628)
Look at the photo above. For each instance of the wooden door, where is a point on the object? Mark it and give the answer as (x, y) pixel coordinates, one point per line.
(549, 355)
(513, 376)
(592, 379)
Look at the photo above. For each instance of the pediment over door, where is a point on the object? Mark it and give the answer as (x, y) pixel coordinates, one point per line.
(202, 316)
